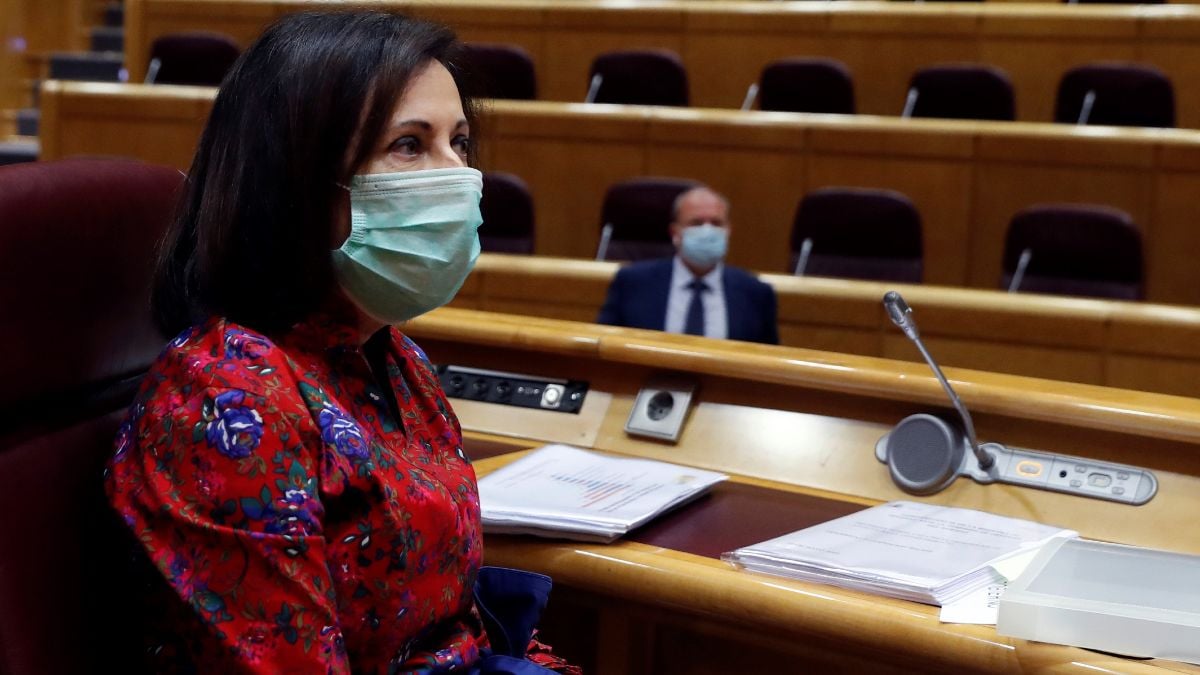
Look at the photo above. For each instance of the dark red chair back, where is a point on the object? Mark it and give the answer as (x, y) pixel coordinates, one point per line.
(1126, 95)
(502, 70)
(964, 91)
(507, 207)
(77, 240)
(639, 213)
(647, 77)
(859, 233)
(808, 85)
(1076, 249)
(196, 58)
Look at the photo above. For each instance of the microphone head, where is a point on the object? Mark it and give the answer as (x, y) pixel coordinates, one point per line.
(900, 313)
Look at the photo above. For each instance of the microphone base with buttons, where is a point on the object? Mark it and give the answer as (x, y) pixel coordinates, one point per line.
(925, 454)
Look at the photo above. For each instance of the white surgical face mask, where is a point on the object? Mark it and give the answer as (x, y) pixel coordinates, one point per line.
(703, 245)
(413, 240)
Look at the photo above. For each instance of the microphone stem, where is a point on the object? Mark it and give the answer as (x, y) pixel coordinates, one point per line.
(985, 459)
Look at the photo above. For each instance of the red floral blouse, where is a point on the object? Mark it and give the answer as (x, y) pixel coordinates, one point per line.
(307, 520)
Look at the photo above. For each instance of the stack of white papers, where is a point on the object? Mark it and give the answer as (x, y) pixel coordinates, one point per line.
(565, 492)
(920, 552)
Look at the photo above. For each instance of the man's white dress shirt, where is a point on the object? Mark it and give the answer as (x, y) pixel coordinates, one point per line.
(716, 325)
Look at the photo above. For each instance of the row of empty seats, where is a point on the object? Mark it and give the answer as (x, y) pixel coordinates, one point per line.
(858, 233)
(1123, 94)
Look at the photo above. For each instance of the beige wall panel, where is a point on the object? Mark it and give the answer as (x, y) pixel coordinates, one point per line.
(941, 191)
(1004, 189)
(1051, 364)
(756, 183)
(1173, 240)
(1037, 63)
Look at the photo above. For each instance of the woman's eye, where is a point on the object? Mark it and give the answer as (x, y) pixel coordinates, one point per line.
(462, 144)
(406, 145)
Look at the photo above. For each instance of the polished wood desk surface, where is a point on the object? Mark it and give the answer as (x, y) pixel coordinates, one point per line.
(1126, 345)
(801, 422)
(811, 418)
(725, 44)
(966, 178)
(895, 635)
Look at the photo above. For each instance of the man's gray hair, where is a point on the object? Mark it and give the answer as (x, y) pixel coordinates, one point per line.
(699, 188)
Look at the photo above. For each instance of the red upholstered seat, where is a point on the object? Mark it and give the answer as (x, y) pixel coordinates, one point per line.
(196, 58)
(1119, 94)
(965, 91)
(503, 70)
(641, 77)
(637, 216)
(507, 210)
(76, 248)
(810, 85)
(1076, 249)
(858, 233)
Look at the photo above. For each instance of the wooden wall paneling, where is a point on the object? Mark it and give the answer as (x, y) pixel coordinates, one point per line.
(568, 163)
(11, 17)
(967, 179)
(243, 21)
(884, 48)
(1036, 45)
(930, 162)
(1172, 235)
(1062, 364)
(1021, 167)
(726, 44)
(1168, 40)
(578, 32)
(166, 131)
(50, 25)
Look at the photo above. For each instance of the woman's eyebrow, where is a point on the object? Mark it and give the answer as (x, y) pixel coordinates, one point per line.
(425, 125)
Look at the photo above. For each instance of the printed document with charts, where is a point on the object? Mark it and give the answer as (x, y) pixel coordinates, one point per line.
(914, 551)
(565, 492)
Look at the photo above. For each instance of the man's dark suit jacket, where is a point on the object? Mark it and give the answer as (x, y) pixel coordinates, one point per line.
(637, 298)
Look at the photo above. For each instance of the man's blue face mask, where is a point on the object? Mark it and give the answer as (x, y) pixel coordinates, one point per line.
(704, 245)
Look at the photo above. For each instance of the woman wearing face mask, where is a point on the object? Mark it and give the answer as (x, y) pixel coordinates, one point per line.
(291, 468)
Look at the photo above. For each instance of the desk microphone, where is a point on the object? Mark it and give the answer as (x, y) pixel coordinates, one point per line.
(925, 453)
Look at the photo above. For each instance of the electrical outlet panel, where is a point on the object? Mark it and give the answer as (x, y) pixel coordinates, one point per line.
(524, 391)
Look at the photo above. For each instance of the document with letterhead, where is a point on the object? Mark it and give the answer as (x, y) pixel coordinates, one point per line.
(564, 492)
(909, 550)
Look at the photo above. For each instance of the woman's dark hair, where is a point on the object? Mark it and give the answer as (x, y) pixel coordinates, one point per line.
(252, 237)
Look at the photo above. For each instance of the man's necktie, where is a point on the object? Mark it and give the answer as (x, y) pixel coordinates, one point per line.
(694, 325)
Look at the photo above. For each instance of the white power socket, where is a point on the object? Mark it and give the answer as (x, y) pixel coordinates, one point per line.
(661, 408)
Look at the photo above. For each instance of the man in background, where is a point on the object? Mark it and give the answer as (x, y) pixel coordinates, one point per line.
(694, 292)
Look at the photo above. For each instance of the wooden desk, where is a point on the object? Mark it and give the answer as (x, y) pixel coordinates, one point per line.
(966, 178)
(1117, 344)
(802, 421)
(725, 44)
